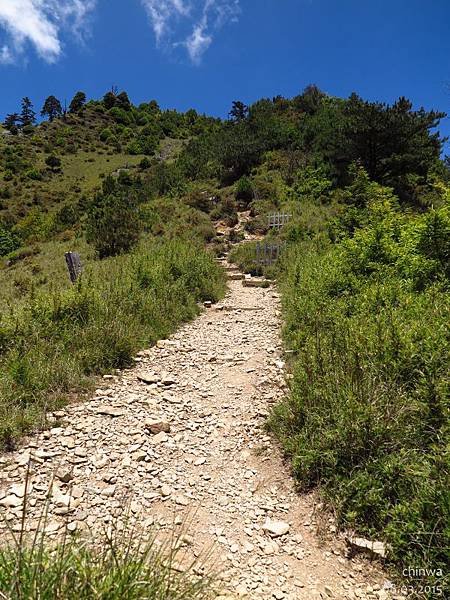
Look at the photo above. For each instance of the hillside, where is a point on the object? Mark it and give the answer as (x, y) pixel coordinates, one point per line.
(42, 207)
(150, 197)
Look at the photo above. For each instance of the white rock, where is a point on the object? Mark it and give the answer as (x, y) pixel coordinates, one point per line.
(64, 475)
(168, 379)
(276, 528)
(166, 490)
(11, 501)
(159, 438)
(148, 377)
(20, 489)
(109, 491)
(181, 500)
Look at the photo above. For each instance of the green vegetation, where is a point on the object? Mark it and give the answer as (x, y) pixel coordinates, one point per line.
(364, 277)
(365, 284)
(51, 345)
(120, 563)
(367, 418)
(113, 224)
(92, 140)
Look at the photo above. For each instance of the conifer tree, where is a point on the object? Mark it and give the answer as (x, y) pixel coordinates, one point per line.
(77, 103)
(52, 108)
(122, 101)
(11, 122)
(27, 114)
(109, 100)
(239, 111)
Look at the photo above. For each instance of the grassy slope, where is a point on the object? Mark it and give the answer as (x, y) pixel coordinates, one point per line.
(85, 161)
(41, 266)
(54, 337)
(60, 337)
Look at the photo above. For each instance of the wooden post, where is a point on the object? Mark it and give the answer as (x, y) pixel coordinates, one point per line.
(74, 265)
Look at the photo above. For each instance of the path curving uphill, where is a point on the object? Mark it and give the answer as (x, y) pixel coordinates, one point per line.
(180, 437)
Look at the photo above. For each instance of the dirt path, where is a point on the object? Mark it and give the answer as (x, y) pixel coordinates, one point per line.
(212, 383)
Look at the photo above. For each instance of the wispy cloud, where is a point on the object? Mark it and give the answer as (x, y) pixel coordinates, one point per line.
(198, 42)
(191, 24)
(188, 24)
(39, 23)
(163, 13)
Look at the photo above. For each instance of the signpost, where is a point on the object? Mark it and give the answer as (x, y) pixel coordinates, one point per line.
(74, 265)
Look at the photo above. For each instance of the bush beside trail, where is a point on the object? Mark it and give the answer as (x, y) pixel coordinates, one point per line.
(54, 344)
(367, 417)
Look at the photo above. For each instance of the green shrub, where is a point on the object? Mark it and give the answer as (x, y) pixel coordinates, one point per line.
(105, 134)
(67, 216)
(113, 225)
(134, 148)
(311, 183)
(34, 174)
(60, 338)
(120, 115)
(36, 226)
(148, 145)
(145, 163)
(8, 241)
(244, 190)
(28, 129)
(367, 417)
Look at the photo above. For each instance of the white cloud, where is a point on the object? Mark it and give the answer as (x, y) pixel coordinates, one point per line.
(189, 24)
(39, 22)
(203, 18)
(198, 42)
(163, 12)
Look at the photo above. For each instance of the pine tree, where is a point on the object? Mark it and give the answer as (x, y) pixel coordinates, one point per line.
(52, 108)
(109, 100)
(310, 101)
(11, 122)
(122, 101)
(27, 114)
(239, 111)
(78, 101)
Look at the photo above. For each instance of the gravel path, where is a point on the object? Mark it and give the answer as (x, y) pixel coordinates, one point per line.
(188, 444)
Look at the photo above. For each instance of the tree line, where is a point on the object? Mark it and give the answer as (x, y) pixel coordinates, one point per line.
(52, 109)
(398, 145)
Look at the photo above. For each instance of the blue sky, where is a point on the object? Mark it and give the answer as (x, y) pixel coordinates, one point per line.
(206, 53)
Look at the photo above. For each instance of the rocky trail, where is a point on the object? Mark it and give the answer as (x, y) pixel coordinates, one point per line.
(180, 438)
